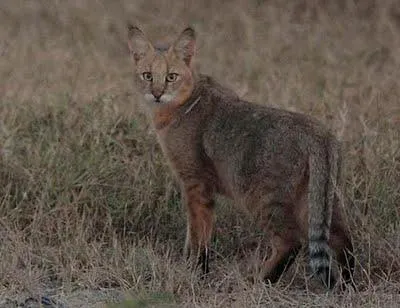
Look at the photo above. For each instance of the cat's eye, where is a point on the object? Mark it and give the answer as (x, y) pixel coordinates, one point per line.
(147, 76)
(171, 77)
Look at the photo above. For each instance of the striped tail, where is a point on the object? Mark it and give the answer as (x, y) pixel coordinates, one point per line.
(323, 175)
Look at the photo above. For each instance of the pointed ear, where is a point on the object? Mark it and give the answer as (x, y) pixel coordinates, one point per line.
(138, 44)
(184, 47)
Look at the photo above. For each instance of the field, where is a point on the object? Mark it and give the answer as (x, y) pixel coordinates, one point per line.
(90, 214)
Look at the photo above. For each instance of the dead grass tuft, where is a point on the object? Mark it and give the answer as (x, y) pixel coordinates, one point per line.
(86, 199)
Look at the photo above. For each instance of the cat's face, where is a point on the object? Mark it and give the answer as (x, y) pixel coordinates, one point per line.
(163, 76)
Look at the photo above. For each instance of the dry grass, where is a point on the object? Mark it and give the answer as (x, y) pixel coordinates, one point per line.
(87, 203)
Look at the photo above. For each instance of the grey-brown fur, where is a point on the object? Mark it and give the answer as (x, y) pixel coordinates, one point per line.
(283, 166)
(252, 152)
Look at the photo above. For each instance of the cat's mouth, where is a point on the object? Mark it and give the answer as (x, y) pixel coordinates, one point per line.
(163, 99)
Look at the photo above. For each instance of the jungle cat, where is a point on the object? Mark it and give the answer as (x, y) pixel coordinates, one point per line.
(282, 166)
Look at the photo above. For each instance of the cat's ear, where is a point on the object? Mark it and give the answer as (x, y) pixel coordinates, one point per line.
(185, 46)
(138, 44)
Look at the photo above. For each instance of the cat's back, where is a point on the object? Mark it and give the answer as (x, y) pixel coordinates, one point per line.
(235, 117)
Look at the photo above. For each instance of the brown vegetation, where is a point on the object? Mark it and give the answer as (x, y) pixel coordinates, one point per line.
(86, 199)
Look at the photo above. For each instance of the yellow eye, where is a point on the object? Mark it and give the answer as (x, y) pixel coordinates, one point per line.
(147, 76)
(171, 77)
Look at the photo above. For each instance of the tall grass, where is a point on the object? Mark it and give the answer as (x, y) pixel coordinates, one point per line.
(87, 201)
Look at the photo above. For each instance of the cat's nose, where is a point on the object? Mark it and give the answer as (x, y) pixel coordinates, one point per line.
(157, 97)
(157, 92)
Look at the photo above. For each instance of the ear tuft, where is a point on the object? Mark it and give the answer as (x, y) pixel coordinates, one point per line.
(137, 42)
(133, 30)
(185, 45)
(189, 32)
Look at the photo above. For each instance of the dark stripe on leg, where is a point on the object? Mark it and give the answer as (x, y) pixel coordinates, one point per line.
(204, 261)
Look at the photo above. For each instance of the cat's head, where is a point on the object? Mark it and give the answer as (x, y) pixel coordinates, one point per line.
(163, 75)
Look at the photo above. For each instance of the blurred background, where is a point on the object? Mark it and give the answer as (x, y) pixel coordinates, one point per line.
(86, 199)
